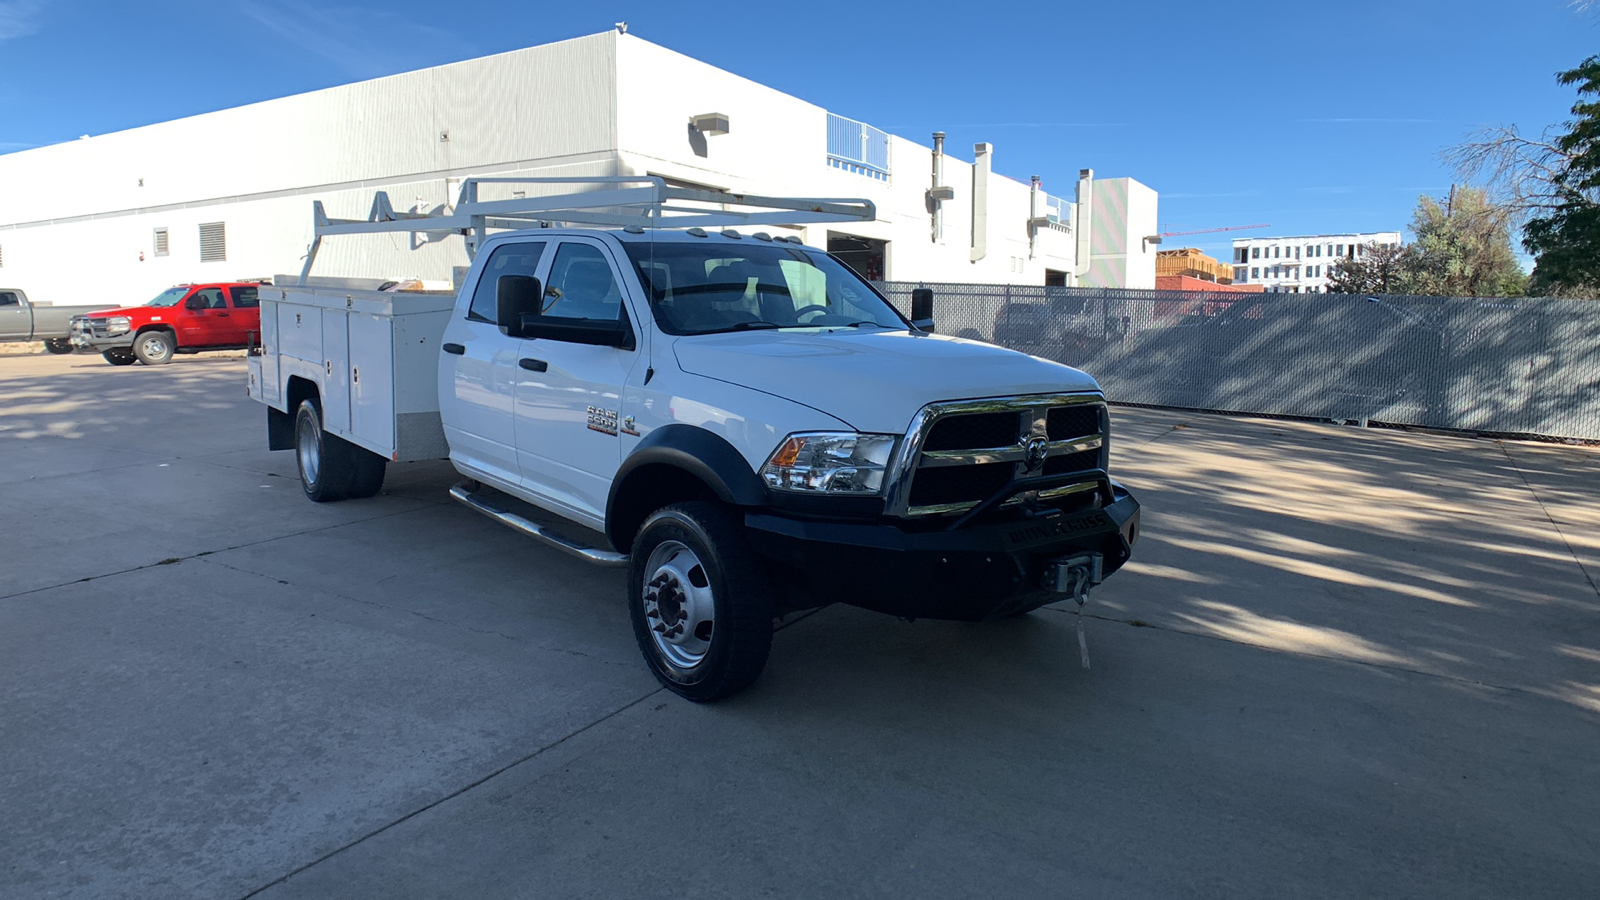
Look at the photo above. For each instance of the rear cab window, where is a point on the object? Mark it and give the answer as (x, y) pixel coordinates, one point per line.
(519, 258)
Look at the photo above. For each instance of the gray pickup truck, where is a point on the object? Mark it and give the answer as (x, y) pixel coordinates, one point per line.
(25, 320)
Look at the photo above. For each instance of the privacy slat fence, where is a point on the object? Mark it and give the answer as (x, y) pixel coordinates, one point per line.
(1515, 366)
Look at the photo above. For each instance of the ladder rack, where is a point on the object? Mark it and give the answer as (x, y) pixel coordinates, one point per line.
(644, 201)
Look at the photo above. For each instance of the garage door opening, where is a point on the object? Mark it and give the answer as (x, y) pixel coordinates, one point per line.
(865, 255)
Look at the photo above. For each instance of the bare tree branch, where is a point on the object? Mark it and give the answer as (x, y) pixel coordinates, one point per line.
(1519, 172)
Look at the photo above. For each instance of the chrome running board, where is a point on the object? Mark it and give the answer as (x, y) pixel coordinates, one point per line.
(535, 530)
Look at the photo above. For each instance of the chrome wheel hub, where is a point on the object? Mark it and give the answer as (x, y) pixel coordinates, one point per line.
(308, 450)
(678, 604)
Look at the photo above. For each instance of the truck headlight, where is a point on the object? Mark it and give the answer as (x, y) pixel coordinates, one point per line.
(118, 325)
(829, 463)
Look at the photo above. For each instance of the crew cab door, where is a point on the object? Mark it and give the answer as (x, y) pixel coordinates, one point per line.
(16, 320)
(477, 370)
(244, 326)
(203, 319)
(569, 395)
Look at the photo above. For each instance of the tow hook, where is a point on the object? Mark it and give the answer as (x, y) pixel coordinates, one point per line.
(1072, 576)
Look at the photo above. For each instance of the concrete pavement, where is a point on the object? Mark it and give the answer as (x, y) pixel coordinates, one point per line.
(1346, 662)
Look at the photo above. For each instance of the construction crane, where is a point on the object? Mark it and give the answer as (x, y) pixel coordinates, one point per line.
(1167, 234)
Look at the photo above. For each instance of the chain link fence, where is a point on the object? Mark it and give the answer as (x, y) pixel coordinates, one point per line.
(1515, 366)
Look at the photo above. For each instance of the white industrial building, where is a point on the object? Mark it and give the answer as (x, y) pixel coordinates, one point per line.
(228, 195)
(1300, 264)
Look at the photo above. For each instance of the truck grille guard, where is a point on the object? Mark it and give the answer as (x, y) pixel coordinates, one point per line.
(975, 456)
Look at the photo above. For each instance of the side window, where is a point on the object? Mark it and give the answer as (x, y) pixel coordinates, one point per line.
(213, 298)
(246, 297)
(508, 259)
(8, 299)
(581, 285)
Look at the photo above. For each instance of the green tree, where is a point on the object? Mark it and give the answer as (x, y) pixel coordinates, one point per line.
(1462, 249)
(1377, 269)
(1565, 240)
(1550, 185)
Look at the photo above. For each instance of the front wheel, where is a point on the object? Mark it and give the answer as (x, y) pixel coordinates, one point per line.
(700, 601)
(154, 348)
(58, 346)
(119, 356)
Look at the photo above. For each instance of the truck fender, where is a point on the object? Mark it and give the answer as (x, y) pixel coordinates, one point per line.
(700, 455)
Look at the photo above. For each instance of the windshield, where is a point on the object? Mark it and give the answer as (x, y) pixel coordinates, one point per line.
(169, 297)
(723, 285)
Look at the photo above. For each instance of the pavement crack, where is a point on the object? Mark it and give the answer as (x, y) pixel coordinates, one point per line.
(172, 560)
(456, 793)
(372, 603)
(1587, 575)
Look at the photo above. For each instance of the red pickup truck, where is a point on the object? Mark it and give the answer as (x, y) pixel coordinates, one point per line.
(188, 318)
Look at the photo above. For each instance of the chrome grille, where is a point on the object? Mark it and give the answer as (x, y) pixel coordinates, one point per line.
(958, 455)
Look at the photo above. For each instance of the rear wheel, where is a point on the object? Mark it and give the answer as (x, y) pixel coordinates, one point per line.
(58, 345)
(154, 348)
(119, 356)
(324, 465)
(700, 601)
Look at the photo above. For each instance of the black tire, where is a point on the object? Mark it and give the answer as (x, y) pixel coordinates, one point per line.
(366, 471)
(708, 658)
(322, 459)
(58, 346)
(155, 347)
(119, 356)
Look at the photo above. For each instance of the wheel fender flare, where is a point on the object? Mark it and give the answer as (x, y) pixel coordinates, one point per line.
(702, 454)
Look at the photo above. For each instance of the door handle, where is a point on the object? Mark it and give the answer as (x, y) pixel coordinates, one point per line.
(457, 349)
(534, 365)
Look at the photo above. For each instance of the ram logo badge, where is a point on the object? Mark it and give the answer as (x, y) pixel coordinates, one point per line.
(603, 420)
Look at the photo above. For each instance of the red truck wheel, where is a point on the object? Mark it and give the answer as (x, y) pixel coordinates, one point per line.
(154, 348)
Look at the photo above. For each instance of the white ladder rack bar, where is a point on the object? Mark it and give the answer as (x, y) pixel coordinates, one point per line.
(649, 203)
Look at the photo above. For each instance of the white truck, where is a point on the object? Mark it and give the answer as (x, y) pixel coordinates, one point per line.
(740, 420)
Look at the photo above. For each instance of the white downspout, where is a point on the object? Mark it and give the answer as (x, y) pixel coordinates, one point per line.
(1085, 201)
(980, 200)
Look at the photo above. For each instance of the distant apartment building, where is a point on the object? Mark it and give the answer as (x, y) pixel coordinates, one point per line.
(1300, 265)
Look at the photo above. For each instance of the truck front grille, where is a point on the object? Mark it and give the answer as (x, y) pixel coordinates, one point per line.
(961, 454)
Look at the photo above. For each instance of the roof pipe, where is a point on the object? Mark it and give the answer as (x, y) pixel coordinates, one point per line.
(935, 198)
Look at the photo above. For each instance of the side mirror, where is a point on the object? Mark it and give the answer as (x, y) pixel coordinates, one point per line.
(599, 332)
(516, 296)
(195, 302)
(922, 309)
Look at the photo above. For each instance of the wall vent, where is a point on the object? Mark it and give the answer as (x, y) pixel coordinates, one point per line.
(213, 242)
(161, 241)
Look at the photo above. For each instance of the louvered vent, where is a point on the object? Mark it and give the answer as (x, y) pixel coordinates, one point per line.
(213, 242)
(161, 241)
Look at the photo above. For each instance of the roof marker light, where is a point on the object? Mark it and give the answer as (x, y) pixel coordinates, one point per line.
(697, 232)
(730, 233)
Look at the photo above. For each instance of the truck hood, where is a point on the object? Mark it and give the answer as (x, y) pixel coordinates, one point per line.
(95, 313)
(874, 380)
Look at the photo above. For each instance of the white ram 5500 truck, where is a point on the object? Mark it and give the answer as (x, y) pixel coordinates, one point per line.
(740, 420)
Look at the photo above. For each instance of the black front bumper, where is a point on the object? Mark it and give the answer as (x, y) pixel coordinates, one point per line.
(979, 571)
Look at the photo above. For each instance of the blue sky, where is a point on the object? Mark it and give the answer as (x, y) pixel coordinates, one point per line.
(1313, 117)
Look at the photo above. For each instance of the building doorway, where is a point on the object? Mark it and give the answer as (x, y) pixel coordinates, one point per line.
(867, 256)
